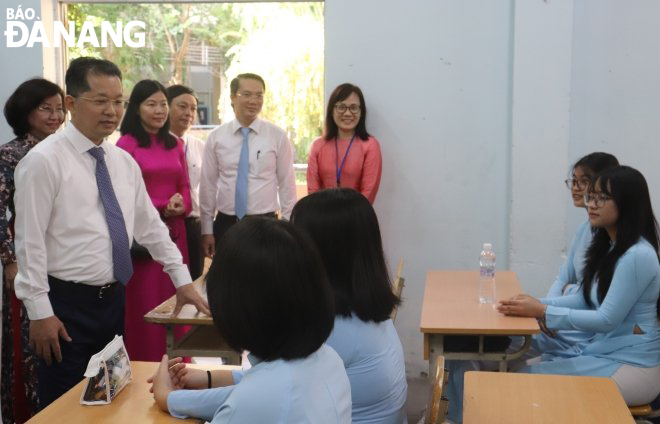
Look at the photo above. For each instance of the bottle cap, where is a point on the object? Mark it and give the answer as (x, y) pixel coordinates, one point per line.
(488, 246)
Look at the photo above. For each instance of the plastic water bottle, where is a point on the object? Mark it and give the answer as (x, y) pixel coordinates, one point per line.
(487, 274)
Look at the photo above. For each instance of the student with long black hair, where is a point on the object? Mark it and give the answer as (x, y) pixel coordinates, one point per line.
(583, 174)
(343, 225)
(618, 299)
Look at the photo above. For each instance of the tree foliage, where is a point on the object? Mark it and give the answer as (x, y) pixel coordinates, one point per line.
(170, 30)
(282, 42)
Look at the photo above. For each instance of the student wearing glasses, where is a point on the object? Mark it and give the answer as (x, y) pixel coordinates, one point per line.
(35, 110)
(618, 299)
(567, 282)
(281, 311)
(247, 168)
(160, 155)
(343, 225)
(346, 155)
(570, 274)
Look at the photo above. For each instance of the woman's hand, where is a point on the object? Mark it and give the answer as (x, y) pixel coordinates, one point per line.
(191, 378)
(175, 206)
(522, 305)
(174, 366)
(183, 377)
(162, 384)
(10, 271)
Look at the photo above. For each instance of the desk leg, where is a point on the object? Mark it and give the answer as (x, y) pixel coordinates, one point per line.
(515, 355)
(504, 366)
(436, 347)
(169, 340)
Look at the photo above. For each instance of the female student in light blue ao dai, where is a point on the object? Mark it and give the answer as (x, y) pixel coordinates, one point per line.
(618, 299)
(344, 227)
(567, 282)
(570, 274)
(269, 295)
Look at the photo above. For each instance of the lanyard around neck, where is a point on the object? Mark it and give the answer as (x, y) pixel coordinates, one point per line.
(340, 168)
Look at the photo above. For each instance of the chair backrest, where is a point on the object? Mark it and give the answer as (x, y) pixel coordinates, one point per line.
(397, 286)
(436, 412)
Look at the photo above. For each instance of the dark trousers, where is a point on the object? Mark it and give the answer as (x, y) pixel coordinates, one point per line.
(91, 317)
(194, 238)
(223, 222)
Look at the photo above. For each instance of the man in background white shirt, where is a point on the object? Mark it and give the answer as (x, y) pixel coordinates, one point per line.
(183, 110)
(66, 244)
(270, 184)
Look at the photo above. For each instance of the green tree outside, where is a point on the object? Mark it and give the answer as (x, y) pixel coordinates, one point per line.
(283, 42)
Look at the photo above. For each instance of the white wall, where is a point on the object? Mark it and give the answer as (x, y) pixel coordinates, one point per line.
(541, 76)
(436, 76)
(615, 90)
(481, 106)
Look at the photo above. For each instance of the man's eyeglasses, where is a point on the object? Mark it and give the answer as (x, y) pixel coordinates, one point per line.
(50, 111)
(248, 95)
(341, 108)
(598, 199)
(104, 102)
(580, 184)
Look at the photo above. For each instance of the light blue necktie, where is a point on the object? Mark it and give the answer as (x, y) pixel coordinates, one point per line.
(240, 200)
(121, 250)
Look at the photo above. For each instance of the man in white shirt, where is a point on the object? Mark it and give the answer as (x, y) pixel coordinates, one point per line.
(183, 110)
(248, 164)
(79, 201)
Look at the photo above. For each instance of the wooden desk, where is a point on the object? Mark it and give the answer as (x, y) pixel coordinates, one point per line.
(134, 404)
(451, 306)
(201, 340)
(513, 398)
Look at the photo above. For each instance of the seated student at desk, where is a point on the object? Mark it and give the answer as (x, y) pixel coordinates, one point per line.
(345, 229)
(619, 296)
(570, 274)
(583, 173)
(269, 295)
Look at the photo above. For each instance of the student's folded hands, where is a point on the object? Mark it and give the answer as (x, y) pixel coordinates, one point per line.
(521, 305)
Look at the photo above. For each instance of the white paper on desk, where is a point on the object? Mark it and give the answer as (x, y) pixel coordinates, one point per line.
(108, 372)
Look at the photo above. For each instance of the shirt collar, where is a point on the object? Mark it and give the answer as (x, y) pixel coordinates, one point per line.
(253, 359)
(81, 143)
(184, 138)
(254, 126)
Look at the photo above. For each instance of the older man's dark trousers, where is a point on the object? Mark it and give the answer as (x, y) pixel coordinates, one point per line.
(91, 316)
(224, 222)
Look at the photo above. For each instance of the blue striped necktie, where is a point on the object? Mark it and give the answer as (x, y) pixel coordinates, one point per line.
(240, 200)
(121, 249)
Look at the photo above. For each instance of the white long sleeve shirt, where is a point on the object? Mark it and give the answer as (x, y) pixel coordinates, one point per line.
(270, 171)
(194, 154)
(60, 221)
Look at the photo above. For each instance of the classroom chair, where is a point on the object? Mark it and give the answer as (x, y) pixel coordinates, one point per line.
(436, 412)
(397, 286)
(642, 412)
